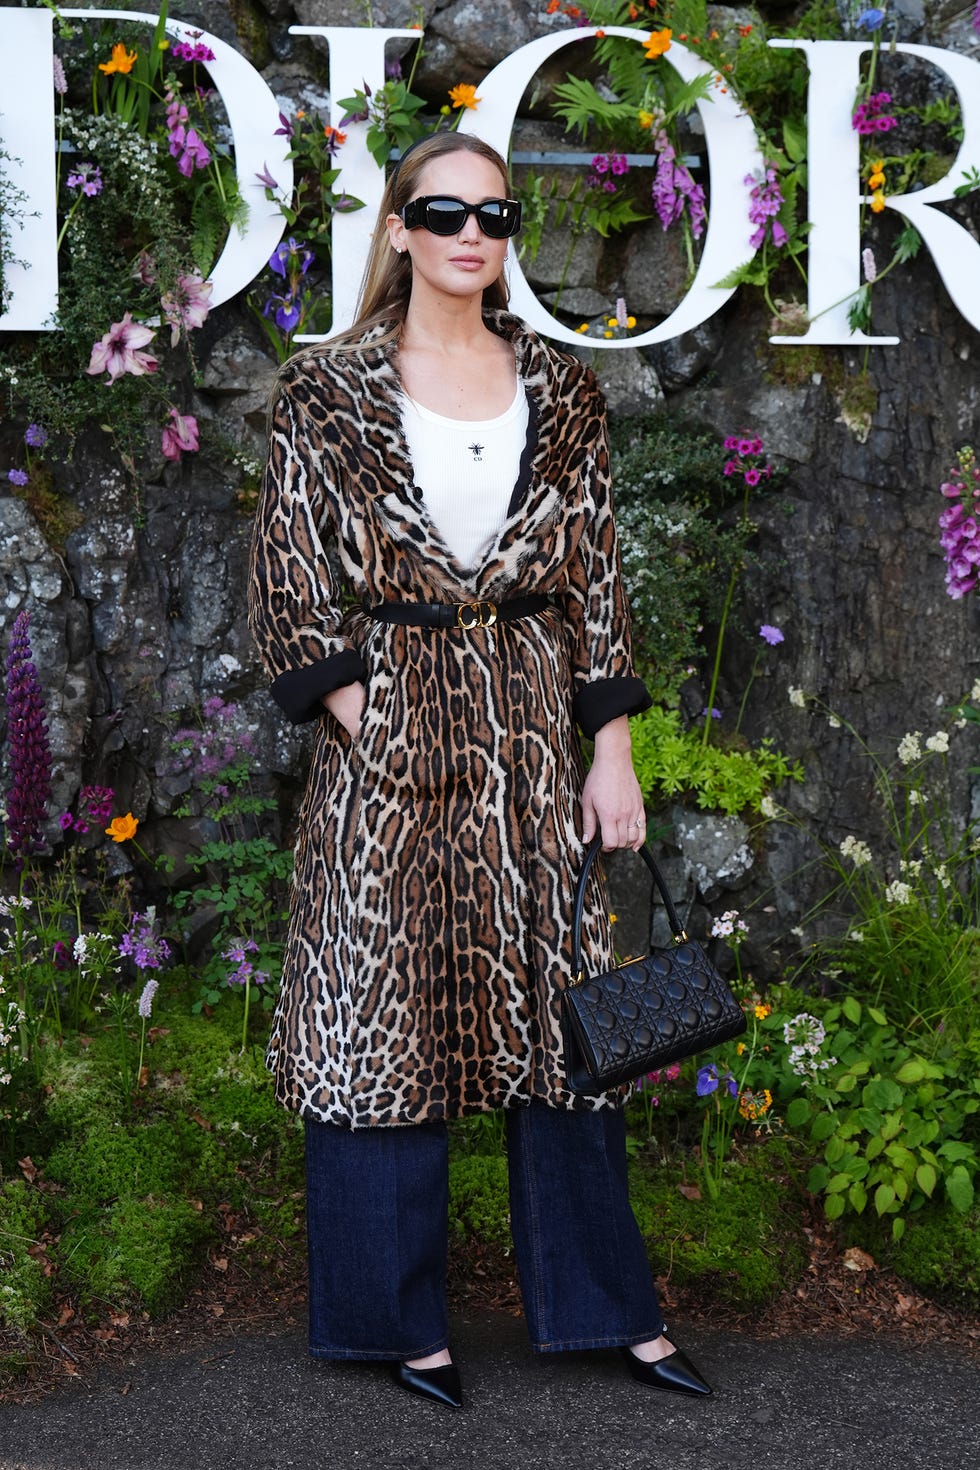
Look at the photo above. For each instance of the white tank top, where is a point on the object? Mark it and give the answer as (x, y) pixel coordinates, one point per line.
(467, 470)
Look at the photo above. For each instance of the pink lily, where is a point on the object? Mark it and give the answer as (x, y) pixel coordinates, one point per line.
(180, 436)
(188, 305)
(117, 352)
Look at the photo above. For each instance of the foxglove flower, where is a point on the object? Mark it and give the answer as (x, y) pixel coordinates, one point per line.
(674, 189)
(767, 201)
(27, 744)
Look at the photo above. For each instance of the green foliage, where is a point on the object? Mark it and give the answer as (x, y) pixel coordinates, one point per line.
(940, 1254)
(743, 1247)
(671, 761)
(895, 1127)
(133, 1252)
(24, 1288)
(478, 1198)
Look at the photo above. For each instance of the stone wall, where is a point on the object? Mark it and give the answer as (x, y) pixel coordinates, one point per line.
(135, 627)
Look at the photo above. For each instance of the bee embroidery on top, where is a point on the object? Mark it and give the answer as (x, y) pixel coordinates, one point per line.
(477, 451)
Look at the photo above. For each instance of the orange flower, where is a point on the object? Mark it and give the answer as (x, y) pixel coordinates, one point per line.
(121, 829)
(745, 30)
(464, 95)
(333, 135)
(877, 202)
(122, 60)
(657, 44)
(552, 6)
(633, 12)
(599, 35)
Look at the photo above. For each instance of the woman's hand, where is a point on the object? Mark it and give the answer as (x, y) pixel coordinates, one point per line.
(346, 704)
(612, 802)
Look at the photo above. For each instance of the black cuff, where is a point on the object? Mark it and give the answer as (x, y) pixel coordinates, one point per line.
(299, 692)
(606, 699)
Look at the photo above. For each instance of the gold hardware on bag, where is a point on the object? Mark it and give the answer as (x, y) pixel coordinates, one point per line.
(481, 615)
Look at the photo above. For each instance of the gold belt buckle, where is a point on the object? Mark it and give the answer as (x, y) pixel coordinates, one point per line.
(476, 615)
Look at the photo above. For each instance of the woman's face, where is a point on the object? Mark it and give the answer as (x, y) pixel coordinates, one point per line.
(465, 263)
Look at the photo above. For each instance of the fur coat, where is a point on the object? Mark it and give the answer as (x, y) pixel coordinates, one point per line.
(437, 851)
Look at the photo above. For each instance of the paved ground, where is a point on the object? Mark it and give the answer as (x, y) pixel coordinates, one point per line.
(258, 1403)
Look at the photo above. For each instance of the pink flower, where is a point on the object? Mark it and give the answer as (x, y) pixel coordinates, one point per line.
(180, 436)
(118, 351)
(187, 306)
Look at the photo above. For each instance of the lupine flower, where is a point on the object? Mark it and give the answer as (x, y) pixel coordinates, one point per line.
(179, 436)
(771, 635)
(27, 743)
(87, 177)
(119, 351)
(870, 116)
(145, 1003)
(18, 477)
(674, 189)
(187, 306)
(143, 944)
(767, 201)
(121, 61)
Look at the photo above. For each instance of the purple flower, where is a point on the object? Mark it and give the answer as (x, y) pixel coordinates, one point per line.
(287, 311)
(771, 634)
(766, 202)
(184, 142)
(714, 713)
(976, 17)
(185, 52)
(244, 972)
(145, 1004)
(619, 163)
(869, 117)
(285, 129)
(870, 20)
(674, 189)
(96, 803)
(35, 436)
(61, 956)
(29, 754)
(87, 177)
(143, 944)
(266, 178)
(600, 163)
(18, 477)
(60, 80)
(291, 258)
(66, 821)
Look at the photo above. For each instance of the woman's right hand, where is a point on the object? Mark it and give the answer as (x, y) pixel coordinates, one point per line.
(346, 704)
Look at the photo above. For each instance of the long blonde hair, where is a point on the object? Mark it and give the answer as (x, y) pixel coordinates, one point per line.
(387, 281)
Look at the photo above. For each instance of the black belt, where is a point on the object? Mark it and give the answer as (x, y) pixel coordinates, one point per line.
(464, 615)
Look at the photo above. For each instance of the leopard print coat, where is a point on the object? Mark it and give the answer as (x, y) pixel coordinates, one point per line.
(437, 851)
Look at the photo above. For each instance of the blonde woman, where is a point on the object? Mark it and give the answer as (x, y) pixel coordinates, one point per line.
(467, 623)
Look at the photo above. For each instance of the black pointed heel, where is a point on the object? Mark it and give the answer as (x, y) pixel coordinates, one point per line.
(441, 1384)
(676, 1373)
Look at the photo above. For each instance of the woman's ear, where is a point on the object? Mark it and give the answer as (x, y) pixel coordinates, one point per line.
(397, 232)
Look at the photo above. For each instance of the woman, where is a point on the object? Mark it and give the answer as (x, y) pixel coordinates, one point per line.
(459, 465)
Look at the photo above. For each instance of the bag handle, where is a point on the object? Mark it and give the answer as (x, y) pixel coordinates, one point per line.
(676, 927)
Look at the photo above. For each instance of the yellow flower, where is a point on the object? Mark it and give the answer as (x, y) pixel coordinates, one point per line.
(761, 1012)
(876, 180)
(614, 918)
(877, 164)
(464, 95)
(631, 322)
(645, 119)
(657, 44)
(122, 60)
(583, 328)
(877, 202)
(607, 334)
(612, 321)
(740, 1048)
(121, 829)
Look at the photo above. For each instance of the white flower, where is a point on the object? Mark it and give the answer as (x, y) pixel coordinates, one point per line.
(797, 697)
(721, 929)
(938, 742)
(768, 807)
(909, 749)
(856, 936)
(915, 798)
(859, 852)
(797, 932)
(898, 892)
(833, 722)
(975, 692)
(942, 877)
(911, 866)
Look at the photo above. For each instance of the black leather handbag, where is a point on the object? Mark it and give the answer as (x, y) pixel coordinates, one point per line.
(646, 1013)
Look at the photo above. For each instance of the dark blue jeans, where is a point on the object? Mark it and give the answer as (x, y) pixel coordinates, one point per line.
(377, 1217)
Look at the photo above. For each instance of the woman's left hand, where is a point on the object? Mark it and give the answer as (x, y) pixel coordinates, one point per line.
(612, 802)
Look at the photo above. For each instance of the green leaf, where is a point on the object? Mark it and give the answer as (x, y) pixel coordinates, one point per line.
(908, 244)
(925, 1178)
(833, 1206)
(882, 1093)
(797, 1113)
(879, 1017)
(955, 1151)
(884, 1199)
(835, 1149)
(914, 1070)
(838, 1183)
(898, 1228)
(748, 274)
(959, 1189)
(857, 1196)
(817, 1178)
(794, 139)
(852, 1009)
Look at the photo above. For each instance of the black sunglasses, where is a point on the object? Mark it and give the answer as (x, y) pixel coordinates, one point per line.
(444, 215)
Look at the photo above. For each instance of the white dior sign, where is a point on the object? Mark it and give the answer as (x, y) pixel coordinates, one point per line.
(27, 133)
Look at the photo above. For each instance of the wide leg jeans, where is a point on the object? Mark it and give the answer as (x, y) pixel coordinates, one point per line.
(377, 1221)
